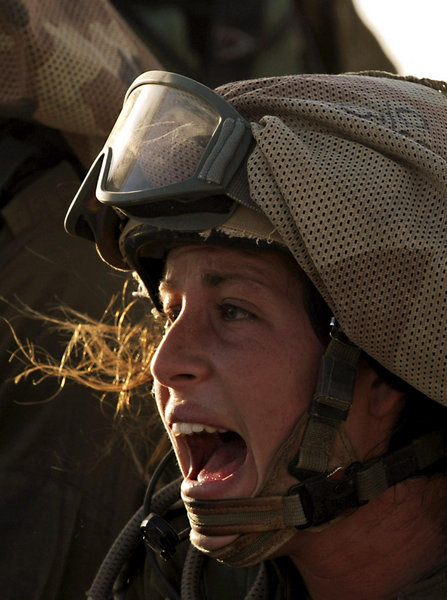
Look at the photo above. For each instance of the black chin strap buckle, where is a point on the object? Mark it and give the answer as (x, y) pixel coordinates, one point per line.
(160, 536)
(324, 496)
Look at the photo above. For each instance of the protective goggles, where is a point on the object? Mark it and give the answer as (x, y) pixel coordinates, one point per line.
(172, 159)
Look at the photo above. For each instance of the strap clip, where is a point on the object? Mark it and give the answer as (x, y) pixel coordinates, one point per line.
(159, 536)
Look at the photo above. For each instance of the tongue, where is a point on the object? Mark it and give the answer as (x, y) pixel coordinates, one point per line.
(224, 461)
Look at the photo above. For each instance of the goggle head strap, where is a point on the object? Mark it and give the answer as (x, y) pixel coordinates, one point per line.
(89, 219)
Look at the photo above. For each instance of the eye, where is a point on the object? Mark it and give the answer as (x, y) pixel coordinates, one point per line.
(230, 312)
(170, 314)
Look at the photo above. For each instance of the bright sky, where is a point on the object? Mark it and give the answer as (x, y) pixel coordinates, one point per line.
(412, 32)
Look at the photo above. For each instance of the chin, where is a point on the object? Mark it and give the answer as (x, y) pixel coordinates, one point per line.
(208, 543)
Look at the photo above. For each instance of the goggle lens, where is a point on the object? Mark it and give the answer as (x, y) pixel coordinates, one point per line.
(159, 138)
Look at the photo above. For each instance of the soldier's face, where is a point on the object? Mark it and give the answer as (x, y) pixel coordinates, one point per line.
(236, 368)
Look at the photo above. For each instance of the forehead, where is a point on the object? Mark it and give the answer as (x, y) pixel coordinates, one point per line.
(213, 265)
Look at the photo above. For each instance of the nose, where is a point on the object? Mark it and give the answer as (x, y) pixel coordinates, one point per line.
(181, 358)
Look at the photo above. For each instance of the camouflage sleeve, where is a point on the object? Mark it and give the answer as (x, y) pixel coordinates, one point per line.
(67, 65)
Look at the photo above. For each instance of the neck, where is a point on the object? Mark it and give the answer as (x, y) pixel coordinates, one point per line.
(381, 548)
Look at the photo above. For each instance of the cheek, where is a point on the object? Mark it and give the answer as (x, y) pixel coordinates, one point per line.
(161, 395)
(277, 388)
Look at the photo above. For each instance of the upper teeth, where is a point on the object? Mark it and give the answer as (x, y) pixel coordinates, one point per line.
(189, 428)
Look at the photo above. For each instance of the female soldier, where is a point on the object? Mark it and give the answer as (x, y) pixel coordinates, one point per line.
(311, 457)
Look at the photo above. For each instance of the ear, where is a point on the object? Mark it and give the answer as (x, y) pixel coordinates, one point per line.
(374, 413)
(379, 399)
(383, 400)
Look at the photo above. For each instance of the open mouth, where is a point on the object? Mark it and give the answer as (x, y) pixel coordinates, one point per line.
(212, 454)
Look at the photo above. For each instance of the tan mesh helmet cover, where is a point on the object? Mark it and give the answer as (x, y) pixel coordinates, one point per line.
(351, 170)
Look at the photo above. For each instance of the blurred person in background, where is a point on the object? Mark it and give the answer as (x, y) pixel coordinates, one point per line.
(219, 41)
(63, 460)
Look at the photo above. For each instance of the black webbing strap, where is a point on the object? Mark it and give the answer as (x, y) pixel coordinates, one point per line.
(376, 476)
(325, 497)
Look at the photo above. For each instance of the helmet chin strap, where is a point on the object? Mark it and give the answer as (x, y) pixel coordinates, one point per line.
(319, 455)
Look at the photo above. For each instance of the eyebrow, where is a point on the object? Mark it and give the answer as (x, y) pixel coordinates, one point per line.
(214, 279)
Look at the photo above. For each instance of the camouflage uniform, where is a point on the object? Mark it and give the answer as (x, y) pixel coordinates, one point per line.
(282, 580)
